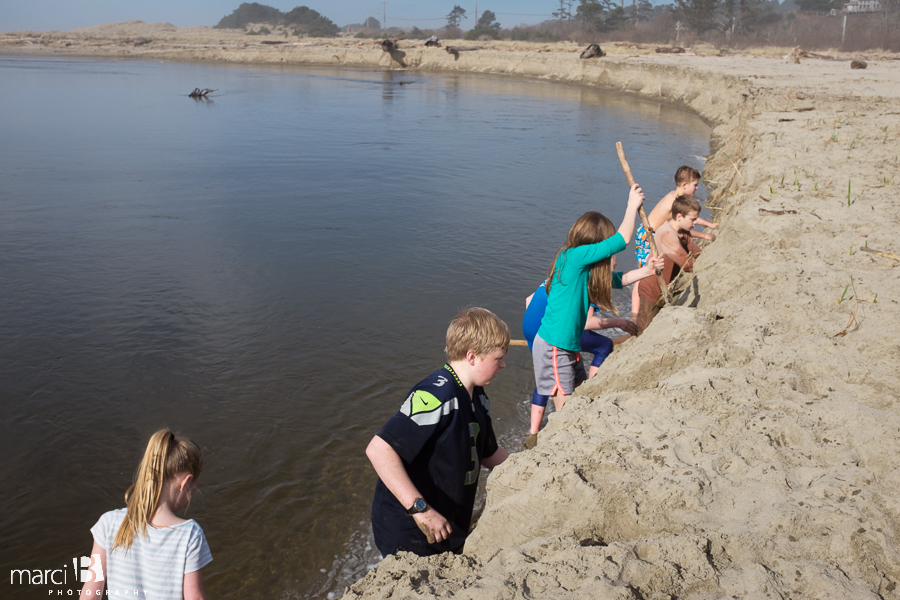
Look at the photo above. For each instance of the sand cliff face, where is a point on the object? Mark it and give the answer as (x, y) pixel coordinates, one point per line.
(747, 444)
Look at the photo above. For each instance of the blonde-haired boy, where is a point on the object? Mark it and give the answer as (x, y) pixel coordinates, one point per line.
(429, 455)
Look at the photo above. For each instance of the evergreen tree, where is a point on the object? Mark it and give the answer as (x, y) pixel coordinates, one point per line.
(699, 15)
(456, 16)
(563, 13)
(599, 15)
(748, 12)
(642, 10)
(308, 21)
(253, 12)
(487, 25)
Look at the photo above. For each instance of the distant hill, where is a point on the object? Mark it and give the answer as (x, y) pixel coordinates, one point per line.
(302, 20)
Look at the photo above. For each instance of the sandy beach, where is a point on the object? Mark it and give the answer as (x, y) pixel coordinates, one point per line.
(746, 445)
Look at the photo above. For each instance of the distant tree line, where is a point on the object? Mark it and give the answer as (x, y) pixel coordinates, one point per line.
(683, 22)
(301, 19)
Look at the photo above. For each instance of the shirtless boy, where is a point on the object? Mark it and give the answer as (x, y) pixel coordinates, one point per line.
(687, 180)
(675, 244)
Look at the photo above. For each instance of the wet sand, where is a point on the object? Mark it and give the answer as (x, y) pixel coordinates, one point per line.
(747, 444)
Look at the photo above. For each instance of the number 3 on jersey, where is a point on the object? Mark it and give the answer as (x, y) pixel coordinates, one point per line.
(472, 476)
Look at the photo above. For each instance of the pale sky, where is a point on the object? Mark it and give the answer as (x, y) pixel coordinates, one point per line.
(40, 15)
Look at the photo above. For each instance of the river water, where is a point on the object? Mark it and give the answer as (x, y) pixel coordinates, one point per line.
(268, 272)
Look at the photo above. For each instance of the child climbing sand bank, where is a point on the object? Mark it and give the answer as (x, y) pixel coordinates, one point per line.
(584, 260)
(591, 341)
(675, 244)
(687, 180)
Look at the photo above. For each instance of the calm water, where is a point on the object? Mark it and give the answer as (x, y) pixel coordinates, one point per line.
(268, 273)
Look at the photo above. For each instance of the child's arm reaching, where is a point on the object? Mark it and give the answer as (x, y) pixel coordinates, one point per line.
(635, 199)
(595, 322)
(703, 236)
(647, 270)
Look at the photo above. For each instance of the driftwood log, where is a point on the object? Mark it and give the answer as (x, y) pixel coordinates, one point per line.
(391, 44)
(455, 50)
(592, 51)
(198, 93)
(667, 50)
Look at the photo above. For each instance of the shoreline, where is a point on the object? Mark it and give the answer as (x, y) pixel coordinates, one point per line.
(747, 444)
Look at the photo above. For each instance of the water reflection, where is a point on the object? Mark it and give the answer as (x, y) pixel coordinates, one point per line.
(270, 278)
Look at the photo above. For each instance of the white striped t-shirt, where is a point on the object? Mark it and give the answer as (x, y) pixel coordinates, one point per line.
(154, 567)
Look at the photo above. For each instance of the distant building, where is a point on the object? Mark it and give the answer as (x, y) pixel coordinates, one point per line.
(862, 6)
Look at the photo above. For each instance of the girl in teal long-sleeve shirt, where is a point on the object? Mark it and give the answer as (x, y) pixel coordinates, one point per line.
(582, 261)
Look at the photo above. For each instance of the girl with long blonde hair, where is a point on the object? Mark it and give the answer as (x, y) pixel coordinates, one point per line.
(581, 274)
(146, 548)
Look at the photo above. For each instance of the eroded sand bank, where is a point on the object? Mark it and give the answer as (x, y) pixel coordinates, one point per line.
(747, 445)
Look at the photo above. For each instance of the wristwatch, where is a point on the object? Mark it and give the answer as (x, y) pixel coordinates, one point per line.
(419, 505)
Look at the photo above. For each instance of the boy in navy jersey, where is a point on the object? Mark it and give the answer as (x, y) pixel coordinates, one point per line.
(429, 455)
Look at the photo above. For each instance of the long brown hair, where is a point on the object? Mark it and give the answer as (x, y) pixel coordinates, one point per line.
(590, 228)
(166, 456)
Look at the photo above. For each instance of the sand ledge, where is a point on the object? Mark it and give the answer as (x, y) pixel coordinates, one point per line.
(747, 445)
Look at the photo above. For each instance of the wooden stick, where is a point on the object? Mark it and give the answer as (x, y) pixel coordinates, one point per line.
(518, 343)
(653, 251)
(880, 253)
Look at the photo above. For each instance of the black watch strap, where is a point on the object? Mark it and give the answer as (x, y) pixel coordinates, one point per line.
(418, 506)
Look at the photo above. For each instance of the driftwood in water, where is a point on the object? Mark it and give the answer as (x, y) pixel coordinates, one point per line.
(667, 50)
(592, 51)
(198, 93)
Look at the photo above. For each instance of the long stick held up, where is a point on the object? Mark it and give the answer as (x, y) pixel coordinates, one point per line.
(653, 251)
